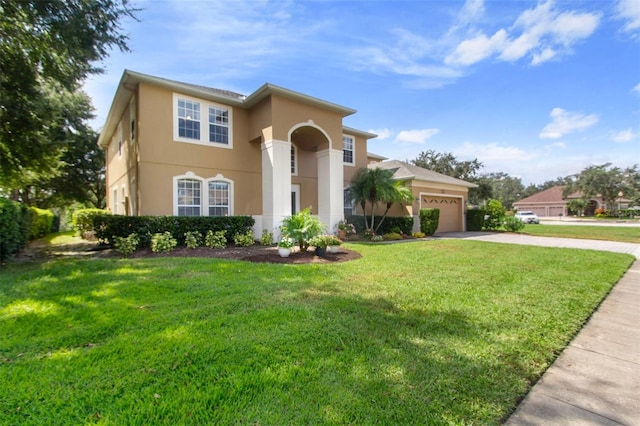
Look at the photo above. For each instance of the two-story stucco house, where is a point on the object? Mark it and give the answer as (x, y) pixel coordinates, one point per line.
(180, 149)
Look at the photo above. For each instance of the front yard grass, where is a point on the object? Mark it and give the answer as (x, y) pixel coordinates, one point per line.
(625, 234)
(433, 332)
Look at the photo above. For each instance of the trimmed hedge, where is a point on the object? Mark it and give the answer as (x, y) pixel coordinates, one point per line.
(402, 224)
(429, 219)
(41, 222)
(14, 227)
(82, 219)
(109, 226)
(475, 219)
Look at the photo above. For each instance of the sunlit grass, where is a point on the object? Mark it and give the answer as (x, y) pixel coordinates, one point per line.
(434, 332)
(626, 234)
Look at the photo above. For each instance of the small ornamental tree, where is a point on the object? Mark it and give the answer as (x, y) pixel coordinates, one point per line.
(495, 213)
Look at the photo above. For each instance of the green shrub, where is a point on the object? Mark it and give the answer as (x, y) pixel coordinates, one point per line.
(192, 239)
(475, 219)
(83, 220)
(126, 246)
(392, 236)
(512, 224)
(401, 224)
(418, 234)
(429, 219)
(41, 221)
(495, 215)
(107, 227)
(163, 242)
(267, 238)
(302, 227)
(244, 240)
(215, 239)
(13, 232)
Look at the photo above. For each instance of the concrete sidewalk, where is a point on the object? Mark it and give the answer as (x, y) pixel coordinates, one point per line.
(596, 379)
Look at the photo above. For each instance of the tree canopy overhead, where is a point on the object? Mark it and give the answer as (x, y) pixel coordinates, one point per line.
(47, 48)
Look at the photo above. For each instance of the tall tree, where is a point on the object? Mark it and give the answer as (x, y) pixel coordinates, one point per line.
(605, 181)
(46, 44)
(447, 164)
(507, 189)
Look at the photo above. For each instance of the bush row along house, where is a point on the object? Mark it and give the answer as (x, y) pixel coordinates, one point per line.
(175, 148)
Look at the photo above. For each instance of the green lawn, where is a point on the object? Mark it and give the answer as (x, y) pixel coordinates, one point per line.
(432, 332)
(626, 234)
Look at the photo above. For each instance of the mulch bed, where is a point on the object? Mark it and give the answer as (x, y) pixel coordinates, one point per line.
(260, 254)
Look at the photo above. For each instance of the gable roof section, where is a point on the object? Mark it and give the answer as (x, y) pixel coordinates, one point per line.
(130, 79)
(406, 171)
(551, 195)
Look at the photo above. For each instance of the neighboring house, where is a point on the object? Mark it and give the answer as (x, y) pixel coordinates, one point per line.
(547, 203)
(551, 203)
(174, 148)
(430, 190)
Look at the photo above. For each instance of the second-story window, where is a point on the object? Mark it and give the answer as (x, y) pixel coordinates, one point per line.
(188, 119)
(348, 150)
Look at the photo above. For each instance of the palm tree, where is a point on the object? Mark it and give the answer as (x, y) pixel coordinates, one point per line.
(400, 194)
(377, 185)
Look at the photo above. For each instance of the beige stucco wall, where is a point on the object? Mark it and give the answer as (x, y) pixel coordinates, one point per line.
(147, 168)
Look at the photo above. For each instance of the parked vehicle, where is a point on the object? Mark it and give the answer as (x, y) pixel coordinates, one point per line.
(528, 217)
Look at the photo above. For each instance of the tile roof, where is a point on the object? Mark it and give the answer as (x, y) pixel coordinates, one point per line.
(551, 195)
(406, 171)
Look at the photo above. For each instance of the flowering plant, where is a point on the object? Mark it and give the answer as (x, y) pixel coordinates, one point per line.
(349, 228)
(286, 242)
(332, 240)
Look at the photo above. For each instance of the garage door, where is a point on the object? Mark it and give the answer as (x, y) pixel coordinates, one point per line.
(450, 211)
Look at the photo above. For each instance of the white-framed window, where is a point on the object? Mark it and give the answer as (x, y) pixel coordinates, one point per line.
(197, 196)
(132, 120)
(189, 200)
(219, 198)
(119, 140)
(123, 200)
(114, 204)
(349, 203)
(348, 150)
(201, 122)
(294, 160)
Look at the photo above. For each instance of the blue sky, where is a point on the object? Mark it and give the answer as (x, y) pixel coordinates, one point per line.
(535, 89)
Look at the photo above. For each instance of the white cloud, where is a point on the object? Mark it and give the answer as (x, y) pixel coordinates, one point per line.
(382, 133)
(560, 145)
(476, 49)
(416, 136)
(623, 136)
(541, 33)
(492, 153)
(629, 11)
(563, 122)
(636, 89)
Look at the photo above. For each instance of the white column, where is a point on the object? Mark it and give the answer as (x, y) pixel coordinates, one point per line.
(276, 184)
(330, 187)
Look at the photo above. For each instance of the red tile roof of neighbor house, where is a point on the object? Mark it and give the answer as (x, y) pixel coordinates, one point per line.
(551, 195)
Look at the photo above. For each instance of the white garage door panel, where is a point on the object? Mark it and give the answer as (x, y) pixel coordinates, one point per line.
(450, 211)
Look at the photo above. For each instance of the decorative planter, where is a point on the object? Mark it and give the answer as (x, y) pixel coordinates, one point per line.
(342, 234)
(333, 249)
(321, 251)
(284, 252)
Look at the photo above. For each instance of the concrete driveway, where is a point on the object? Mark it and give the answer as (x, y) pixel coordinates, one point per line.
(514, 238)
